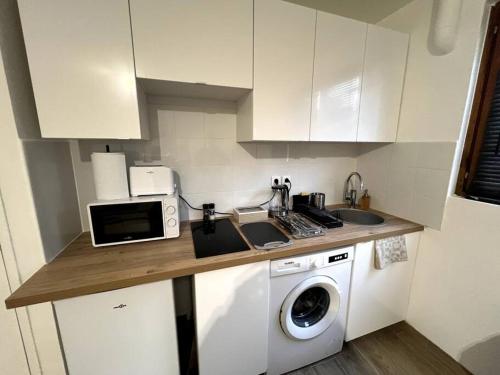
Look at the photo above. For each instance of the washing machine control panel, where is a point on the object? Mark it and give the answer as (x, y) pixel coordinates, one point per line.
(331, 257)
(304, 263)
(338, 257)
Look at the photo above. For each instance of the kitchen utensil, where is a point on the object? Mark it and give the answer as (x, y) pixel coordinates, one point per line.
(279, 205)
(300, 227)
(318, 200)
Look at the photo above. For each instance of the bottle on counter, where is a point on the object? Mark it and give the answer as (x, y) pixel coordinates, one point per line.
(364, 201)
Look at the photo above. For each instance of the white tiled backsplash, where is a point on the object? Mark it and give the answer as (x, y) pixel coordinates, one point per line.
(197, 139)
(199, 143)
(409, 180)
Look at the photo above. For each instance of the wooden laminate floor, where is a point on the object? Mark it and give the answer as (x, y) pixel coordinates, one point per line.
(398, 349)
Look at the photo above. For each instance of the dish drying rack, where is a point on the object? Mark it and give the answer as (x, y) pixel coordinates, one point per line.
(299, 226)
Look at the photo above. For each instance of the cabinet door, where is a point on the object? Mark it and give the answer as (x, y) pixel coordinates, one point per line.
(338, 73)
(82, 68)
(232, 318)
(207, 41)
(384, 69)
(379, 298)
(126, 331)
(283, 68)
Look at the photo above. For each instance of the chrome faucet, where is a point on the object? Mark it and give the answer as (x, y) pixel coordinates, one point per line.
(350, 193)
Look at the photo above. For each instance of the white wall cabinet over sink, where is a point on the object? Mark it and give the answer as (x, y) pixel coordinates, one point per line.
(321, 77)
(195, 41)
(279, 108)
(338, 73)
(82, 68)
(379, 298)
(232, 317)
(126, 331)
(383, 78)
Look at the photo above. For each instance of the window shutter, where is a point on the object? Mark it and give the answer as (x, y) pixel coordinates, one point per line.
(485, 183)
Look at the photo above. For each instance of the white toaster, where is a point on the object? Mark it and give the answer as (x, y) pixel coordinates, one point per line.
(151, 180)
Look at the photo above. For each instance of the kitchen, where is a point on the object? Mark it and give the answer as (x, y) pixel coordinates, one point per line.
(287, 109)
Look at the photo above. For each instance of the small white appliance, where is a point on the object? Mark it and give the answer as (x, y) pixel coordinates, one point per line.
(308, 308)
(127, 331)
(151, 180)
(134, 219)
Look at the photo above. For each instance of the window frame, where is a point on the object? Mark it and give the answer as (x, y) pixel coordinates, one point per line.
(480, 106)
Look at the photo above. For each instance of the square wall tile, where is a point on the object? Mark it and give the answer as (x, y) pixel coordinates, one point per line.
(189, 125)
(436, 155)
(220, 125)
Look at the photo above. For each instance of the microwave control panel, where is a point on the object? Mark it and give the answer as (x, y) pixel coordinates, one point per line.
(171, 211)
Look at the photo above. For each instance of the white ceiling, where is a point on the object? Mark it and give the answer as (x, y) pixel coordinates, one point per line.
(370, 11)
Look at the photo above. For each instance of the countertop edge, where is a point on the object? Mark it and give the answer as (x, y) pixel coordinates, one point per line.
(14, 302)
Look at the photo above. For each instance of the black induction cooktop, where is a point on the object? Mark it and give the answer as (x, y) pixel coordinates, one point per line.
(216, 238)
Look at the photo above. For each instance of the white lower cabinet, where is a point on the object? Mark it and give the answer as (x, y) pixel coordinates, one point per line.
(232, 314)
(379, 298)
(126, 331)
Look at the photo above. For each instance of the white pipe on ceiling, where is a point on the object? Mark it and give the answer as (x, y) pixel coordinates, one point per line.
(444, 26)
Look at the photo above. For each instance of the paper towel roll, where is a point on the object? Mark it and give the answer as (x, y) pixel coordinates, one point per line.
(110, 175)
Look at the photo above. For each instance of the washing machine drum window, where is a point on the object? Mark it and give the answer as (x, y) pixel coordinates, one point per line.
(310, 308)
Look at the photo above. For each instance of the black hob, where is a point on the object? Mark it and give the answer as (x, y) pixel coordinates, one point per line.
(216, 238)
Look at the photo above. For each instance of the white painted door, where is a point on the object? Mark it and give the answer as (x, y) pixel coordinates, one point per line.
(379, 298)
(283, 68)
(338, 73)
(82, 68)
(384, 70)
(232, 317)
(197, 41)
(125, 331)
(12, 356)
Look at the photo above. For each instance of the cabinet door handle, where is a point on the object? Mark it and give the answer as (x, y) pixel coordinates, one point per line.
(120, 306)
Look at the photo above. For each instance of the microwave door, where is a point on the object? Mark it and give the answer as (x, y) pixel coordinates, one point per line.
(127, 222)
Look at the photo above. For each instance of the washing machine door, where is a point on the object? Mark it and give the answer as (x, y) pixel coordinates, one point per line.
(310, 308)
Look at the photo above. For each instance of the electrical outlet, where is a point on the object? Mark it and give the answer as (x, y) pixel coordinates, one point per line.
(285, 179)
(273, 180)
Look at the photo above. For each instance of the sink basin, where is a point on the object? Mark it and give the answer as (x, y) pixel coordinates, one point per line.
(355, 216)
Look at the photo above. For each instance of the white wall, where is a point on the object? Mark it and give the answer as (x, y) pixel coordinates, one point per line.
(455, 295)
(435, 88)
(408, 179)
(13, 359)
(17, 72)
(197, 139)
(22, 249)
(455, 298)
(54, 192)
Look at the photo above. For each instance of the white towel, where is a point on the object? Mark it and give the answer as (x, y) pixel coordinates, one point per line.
(390, 250)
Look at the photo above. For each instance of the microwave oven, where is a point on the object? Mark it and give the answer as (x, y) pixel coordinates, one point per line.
(133, 219)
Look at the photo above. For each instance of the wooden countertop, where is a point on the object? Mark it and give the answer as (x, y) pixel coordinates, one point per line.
(83, 269)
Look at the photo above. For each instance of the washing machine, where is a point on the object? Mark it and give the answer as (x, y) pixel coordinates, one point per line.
(308, 308)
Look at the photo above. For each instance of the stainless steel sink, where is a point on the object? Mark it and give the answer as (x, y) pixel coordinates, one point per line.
(355, 216)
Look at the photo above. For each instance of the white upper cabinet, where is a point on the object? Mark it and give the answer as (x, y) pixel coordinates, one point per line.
(194, 41)
(279, 108)
(82, 68)
(383, 76)
(338, 73)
